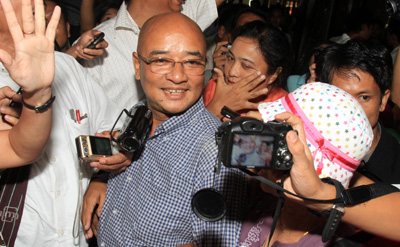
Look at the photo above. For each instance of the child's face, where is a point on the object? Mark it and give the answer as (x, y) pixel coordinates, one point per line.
(248, 146)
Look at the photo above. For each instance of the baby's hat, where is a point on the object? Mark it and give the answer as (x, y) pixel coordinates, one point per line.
(337, 130)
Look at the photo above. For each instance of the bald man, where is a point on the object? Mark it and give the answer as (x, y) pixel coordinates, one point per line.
(149, 204)
(113, 70)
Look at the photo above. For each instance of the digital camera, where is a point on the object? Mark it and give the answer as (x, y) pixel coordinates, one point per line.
(250, 143)
(92, 148)
(135, 129)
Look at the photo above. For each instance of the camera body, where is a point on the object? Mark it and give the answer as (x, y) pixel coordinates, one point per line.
(135, 129)
(250, 143)
(92, 148)
(392, 7)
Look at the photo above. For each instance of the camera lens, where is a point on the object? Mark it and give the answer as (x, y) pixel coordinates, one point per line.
(131, 143)
(209, 205)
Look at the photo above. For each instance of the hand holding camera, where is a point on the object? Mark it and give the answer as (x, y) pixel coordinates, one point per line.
(249, 143)
(130, 140)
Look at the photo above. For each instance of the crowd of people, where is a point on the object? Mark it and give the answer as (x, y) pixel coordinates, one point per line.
(156, 54)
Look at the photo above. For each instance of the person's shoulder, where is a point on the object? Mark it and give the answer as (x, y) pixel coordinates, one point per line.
(66, 64)
(61, 57)
(210, 118)
(106, 26)
(389, 140)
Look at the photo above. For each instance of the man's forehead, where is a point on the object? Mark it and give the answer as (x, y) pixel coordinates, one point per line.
(169, 52)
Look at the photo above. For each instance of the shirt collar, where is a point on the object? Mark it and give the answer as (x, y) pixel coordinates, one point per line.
(183, 120)
(124, 20)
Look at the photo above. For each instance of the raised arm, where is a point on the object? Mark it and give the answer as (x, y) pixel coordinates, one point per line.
(378, 216)
(32, 67)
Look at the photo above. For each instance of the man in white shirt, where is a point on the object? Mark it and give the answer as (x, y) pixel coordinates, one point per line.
(57, 181)
(358, 25)
(114, 70)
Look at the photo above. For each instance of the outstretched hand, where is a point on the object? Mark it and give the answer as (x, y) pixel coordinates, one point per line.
(32, 65)
(303, 179)
(237, 95)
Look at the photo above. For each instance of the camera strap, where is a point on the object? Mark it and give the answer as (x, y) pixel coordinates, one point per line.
(278, 208)
(343, 198)
(349, 197)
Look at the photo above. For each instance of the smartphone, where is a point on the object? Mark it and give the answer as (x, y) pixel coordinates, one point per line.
(97, 39)
(13, 104)
(92, 148)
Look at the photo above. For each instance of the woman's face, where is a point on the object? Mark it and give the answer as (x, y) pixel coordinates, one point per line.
(244, 59)
(264, 147)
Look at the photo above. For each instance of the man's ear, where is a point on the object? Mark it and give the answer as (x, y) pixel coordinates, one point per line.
(384, 101)
(275, 75)
(136, 65)
(68, 29)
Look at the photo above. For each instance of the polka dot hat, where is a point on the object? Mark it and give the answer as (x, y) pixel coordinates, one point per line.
(337, 130)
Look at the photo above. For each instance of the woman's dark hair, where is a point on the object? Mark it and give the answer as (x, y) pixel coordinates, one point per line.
(359, 54)
(274, 46)
(102, 8)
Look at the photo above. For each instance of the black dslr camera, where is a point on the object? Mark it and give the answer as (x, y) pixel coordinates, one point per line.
(250, 143)
(135, 129)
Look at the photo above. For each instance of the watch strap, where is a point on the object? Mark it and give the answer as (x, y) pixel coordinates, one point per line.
(335, 213)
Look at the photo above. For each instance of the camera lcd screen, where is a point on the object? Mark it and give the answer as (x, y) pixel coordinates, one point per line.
(252, 151)
(100, 145)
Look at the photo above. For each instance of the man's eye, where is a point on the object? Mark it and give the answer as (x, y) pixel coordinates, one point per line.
(364, 97)
(160, 61)
(193, 63)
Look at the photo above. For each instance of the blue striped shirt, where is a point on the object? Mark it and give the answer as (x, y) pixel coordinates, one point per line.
(150, 203)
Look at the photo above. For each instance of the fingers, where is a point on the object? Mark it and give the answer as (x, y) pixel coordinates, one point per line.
(52, 25)
(6, 92)
(251, 81)
(7, 61)
(40, 20)
(220, 77)
(114, 163)
(28, 25)
(94, 197)
(12, 114)
(90, 54)
(95, 224)
(103, 134)
(12, 21)
(255, 94)
(221, 49)
(87, 211)
(254, 114)
(295, 122)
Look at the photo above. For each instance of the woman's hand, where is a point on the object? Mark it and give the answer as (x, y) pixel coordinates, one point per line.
(237, 95)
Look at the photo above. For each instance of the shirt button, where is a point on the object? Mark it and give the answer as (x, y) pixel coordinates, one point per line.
(115, 211)
(53, 160)
(103, 244)
(58, 192)
(129, 178)
(61, 232)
